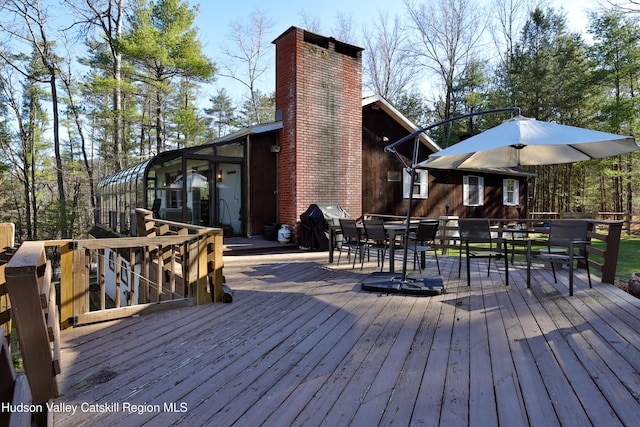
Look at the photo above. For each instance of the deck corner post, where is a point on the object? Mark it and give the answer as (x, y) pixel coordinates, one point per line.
(66, 286)
(25, 276)
(611, 253)
(213, 267)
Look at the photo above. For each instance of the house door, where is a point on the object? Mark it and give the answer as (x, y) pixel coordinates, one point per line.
(198, 191)
(229, 197)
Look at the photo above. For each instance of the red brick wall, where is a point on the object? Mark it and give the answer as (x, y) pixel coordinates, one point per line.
(319, 91)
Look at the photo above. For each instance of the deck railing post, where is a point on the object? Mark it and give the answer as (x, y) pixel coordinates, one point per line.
(66, 285)
(202, 296)
(611, 253)
(80, 283)
(28, 275)
(7, 242)
(215, 250)
(5, 306)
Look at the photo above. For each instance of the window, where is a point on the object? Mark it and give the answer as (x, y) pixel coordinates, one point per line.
(420, 184)
(394, 176)
(473, 190)
(510, 191)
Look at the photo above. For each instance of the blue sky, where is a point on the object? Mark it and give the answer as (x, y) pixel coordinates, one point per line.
(216, 16)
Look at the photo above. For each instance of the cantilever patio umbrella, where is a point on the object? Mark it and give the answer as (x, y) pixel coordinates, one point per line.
(522, 141)
(518, 141)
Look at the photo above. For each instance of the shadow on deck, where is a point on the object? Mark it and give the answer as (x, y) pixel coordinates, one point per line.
(254, 245)
(302, 345)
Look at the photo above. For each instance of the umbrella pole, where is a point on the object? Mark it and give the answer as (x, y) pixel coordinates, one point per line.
(412, 181)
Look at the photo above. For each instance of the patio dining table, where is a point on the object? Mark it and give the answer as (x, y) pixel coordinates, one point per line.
(519, 236)
(393, 229)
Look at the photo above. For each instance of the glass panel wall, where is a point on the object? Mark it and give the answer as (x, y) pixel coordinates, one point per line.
(229, 196)
(166, 192)
(200, 185)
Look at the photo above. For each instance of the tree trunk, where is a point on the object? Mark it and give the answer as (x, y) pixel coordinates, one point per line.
(118, 119)
(64, 229)
(159, 127)
(629, 210)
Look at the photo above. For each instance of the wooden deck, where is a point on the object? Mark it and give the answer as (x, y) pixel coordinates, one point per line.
(302, 345)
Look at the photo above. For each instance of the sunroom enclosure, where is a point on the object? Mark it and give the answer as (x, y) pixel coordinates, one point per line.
(230, 183)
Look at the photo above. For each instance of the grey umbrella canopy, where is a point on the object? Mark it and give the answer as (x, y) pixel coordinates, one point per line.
(523, 141)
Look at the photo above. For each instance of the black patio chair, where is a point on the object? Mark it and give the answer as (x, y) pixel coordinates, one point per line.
(375, 239)
(423, 240)
(476, 242)
(351, 239)
(567, 242)
(156, 208)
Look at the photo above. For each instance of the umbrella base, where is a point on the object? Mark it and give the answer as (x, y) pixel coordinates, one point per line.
(392, 283)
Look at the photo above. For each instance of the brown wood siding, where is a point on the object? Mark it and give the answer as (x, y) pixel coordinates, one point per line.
(441, 192)
(445, 187)
(378, 194)
(493, 207)
(262, 194)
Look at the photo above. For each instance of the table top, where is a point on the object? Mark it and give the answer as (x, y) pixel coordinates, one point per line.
(387, 225)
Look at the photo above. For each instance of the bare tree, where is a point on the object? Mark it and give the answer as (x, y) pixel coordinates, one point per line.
(388, 69)
(344, 30)
(509, 16)
(26, 22)
(447, 35)
(104, 18)
(248, 57)
(310, 23)
(74, 110)
(626, 6)
(21, 146)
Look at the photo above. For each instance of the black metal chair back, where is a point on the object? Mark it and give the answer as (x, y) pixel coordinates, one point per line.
(374, 229)
(376, 239)
(474, 230)
(427, 230)
(567, 242)
(424, 240)
(563, 232)
(349, 230)
(478, 231)
(351, 239)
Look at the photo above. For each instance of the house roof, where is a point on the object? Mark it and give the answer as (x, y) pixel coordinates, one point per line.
(251, 130)
(401, 119)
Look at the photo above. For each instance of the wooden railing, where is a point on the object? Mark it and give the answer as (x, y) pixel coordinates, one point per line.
(181, 267)
(630, 222)
(149, 226)
(35, 314)
(607, 233)
(188, 270)
(7, 236)
(175, 270)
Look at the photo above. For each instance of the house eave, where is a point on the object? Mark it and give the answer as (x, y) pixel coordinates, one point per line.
(401, 119)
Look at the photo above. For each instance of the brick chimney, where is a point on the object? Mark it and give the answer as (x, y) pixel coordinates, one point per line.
(319, 92)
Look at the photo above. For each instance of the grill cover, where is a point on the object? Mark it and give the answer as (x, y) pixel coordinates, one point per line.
(315, 225)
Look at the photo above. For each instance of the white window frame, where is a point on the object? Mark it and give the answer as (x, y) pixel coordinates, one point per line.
(421, 184)
(467, 190)
(510, 197)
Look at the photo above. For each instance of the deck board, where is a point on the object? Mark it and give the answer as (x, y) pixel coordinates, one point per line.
(302, 345)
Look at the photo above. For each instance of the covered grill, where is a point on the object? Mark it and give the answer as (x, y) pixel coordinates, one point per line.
(315, 225)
